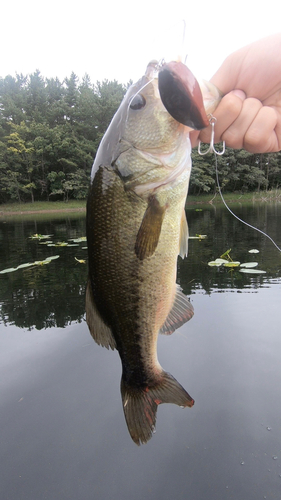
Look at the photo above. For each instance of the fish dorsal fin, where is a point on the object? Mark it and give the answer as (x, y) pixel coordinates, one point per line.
(181, 312)
(183, 236)
(100, 332)
(150, 229)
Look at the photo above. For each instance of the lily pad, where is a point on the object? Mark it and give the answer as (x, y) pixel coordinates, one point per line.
(217, 262)
(198, 237)
(81, 261)
(58, 244)
(78, 240)
(248, 265)
(222, 261)
(29, 264)
(53, 257)
(40, 236)
(10, 270)
(252, 271)
(46, 261)
(232, 264)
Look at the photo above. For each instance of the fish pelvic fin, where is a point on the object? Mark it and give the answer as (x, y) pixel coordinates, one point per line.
(140, 405)
(181, 312)
(100, 332)
(150, 229)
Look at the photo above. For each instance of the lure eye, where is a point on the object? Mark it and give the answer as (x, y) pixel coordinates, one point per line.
(138, 102)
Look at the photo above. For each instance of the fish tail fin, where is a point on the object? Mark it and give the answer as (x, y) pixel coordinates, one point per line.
(140, 404)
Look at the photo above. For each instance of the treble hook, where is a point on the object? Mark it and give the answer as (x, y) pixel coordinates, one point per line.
(211, 148)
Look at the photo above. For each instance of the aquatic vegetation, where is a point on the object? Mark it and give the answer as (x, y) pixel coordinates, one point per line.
(245, 267)
(40, 236)
(198, 237)
(232, 264)
(78, 240)
(30, 264)
(58, 244)
(252, 271)
(81, 261)
(249, 264)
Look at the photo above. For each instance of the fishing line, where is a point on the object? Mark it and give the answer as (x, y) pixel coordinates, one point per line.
(236, 216)
(219, 153)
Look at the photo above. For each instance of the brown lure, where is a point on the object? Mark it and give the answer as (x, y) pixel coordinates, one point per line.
(181, 95)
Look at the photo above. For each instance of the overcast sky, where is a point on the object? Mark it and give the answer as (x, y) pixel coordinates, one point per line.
(116, 40)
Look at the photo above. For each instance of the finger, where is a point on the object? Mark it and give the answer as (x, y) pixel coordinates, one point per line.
(194, 138)
(226, 113)
(234, 135)
(261, 136)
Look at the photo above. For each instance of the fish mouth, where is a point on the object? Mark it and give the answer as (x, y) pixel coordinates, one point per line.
(181, 95)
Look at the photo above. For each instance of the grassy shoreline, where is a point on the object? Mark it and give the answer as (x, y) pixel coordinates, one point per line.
(42, 207)
(80, 205)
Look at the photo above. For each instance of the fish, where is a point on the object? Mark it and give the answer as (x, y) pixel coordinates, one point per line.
(136, 228)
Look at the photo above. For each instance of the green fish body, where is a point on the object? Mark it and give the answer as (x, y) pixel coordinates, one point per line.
(136, 228)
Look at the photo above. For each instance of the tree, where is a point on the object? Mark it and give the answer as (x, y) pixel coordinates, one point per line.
(18, 157)
(12, 100)
(36, 98)
(70, 97)
(55, 112)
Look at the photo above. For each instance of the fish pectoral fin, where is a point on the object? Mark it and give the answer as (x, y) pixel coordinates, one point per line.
(140, 404)
(150, 229)
(181, 312)
(183, 251)
(100, 332)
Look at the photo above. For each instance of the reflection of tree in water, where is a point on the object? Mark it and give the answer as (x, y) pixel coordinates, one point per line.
(41, 303)
(54, 294)
(48, 295)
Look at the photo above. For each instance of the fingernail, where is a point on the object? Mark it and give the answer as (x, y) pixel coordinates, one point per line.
(239, 94)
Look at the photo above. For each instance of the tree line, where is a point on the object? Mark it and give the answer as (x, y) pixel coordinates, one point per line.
(49, 134)
(50, 131)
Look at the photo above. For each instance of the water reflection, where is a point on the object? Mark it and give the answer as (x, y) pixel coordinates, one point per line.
(46, 295)
(53, 295)
(64, 436)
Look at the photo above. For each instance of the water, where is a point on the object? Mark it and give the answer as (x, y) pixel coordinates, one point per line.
(63, 433)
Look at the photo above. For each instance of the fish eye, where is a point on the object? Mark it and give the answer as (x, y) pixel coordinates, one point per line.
(138, 102)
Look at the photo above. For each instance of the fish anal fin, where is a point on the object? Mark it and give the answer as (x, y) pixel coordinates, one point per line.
(140, 405)
(100, 332)
(181, 312)
(150, 229)
(183, 251)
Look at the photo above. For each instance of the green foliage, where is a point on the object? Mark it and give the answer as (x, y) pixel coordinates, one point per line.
(238, 171)
(50, 131)
(49, 134)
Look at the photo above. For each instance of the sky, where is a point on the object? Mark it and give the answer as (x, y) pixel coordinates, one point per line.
(115, 40)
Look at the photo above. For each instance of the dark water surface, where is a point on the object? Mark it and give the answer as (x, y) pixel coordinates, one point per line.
(63, 433)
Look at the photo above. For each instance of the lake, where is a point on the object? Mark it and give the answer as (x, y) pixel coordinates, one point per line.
(63, 432)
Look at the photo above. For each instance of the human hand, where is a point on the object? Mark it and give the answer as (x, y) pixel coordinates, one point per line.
(249, 114)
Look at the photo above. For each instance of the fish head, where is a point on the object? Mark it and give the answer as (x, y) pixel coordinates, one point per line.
(148, 125)
(150, 130)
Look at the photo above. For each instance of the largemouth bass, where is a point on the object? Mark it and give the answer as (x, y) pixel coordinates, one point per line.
(136, 227)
